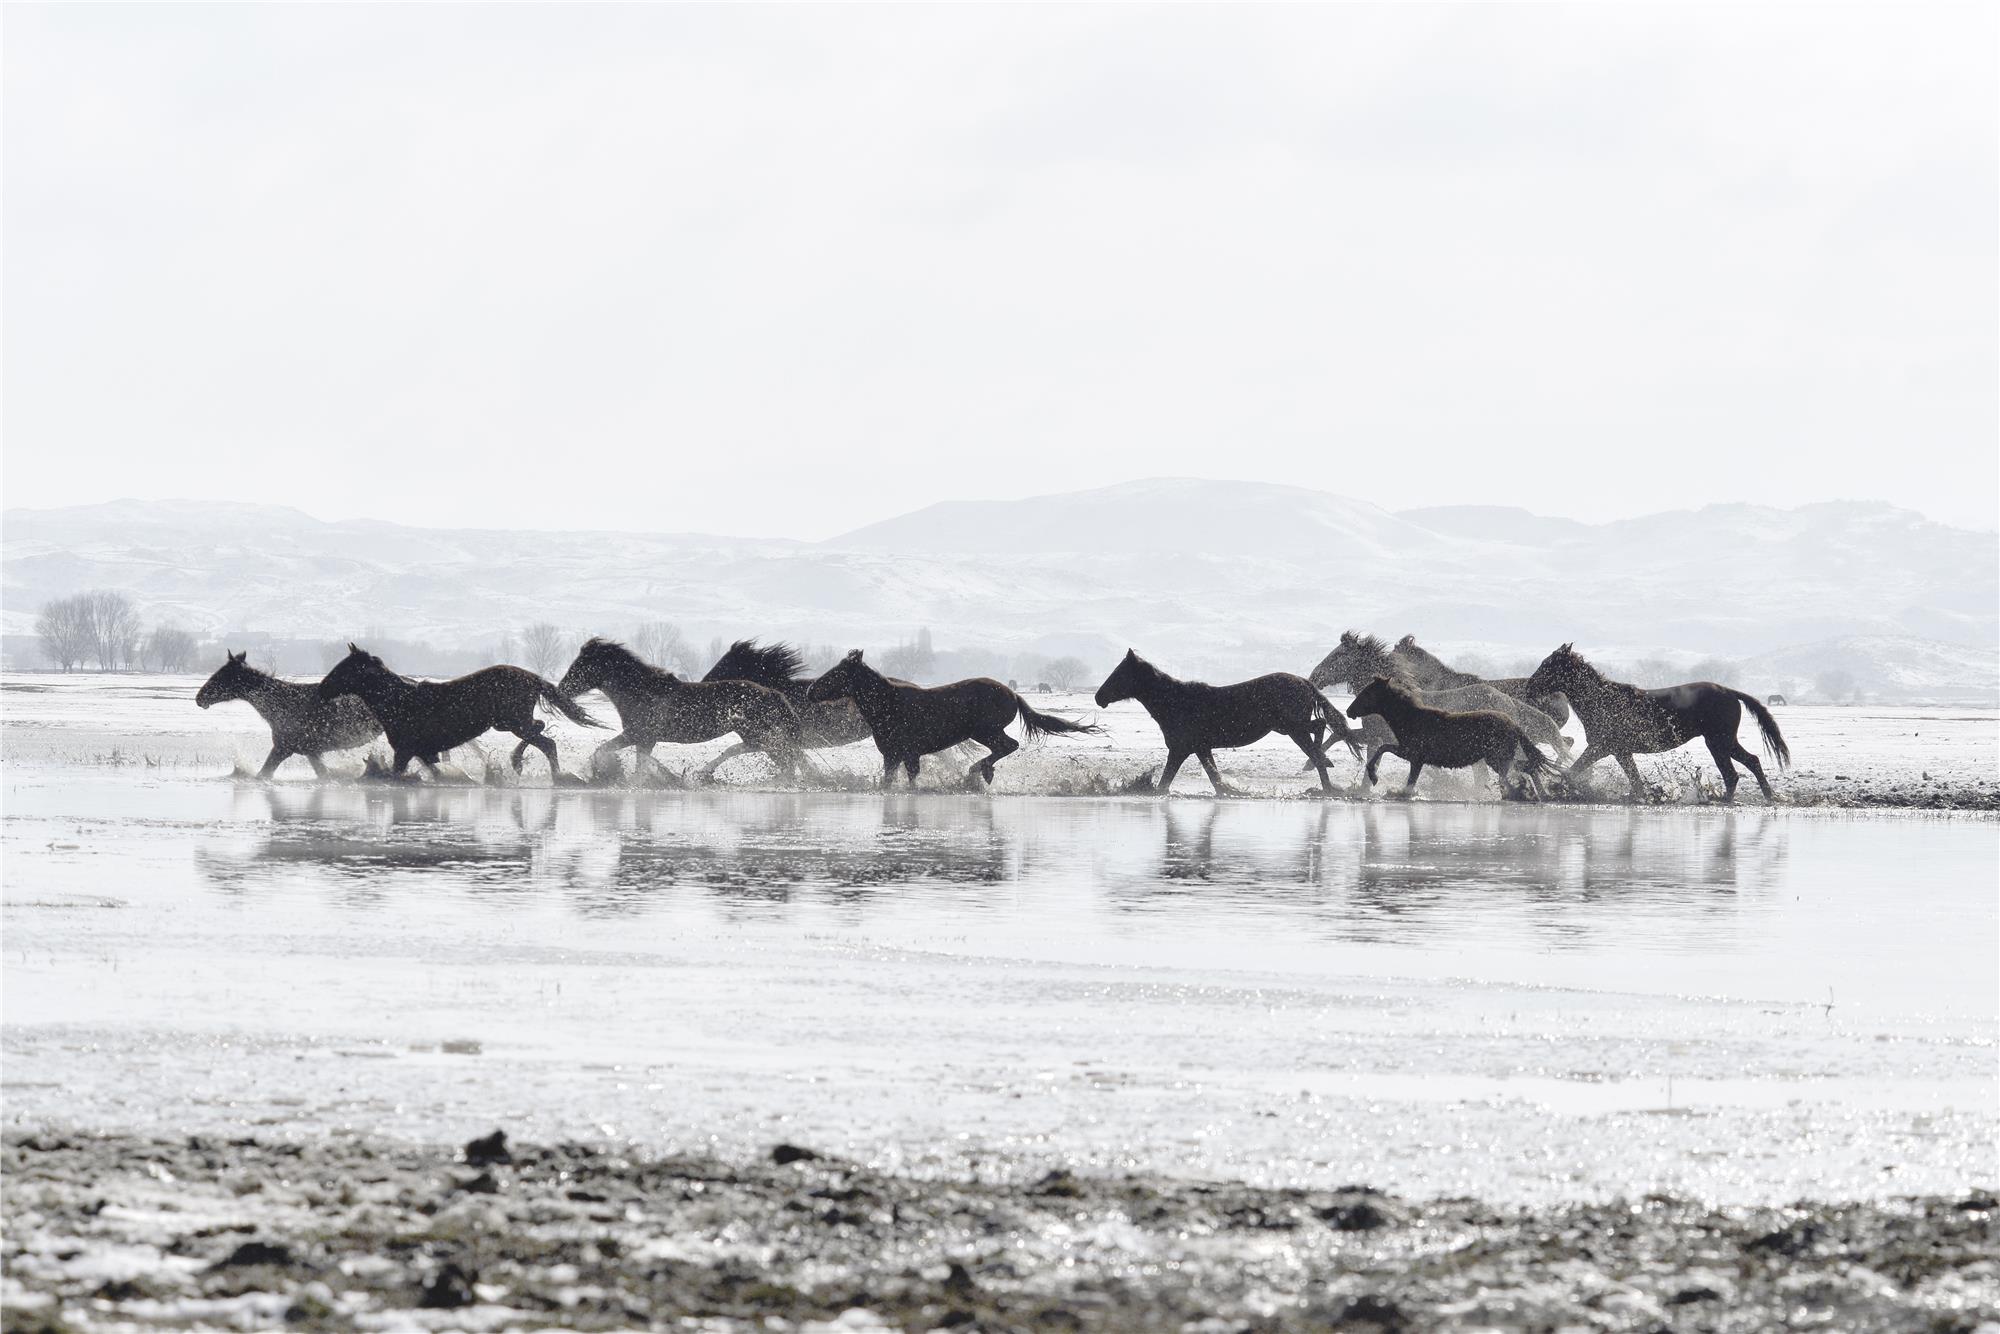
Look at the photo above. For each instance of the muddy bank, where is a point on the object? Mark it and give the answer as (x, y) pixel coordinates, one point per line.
(126, 1232)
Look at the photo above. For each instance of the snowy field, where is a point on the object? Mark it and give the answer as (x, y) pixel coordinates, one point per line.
(1540, 1009)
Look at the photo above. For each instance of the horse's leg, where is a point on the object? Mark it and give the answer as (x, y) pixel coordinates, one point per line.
(1416, 767)
(1721, 750)
(547, 746)
(1631, 768)
(1578, 773)
(1755, 766)
(1001, 745)
(319, 765)
(889, 763)
(618, 742)
(277, 757)
(530, 733)
(1175, 759)
(911, 766)
(1375, 759)
(1315, 751)
(740, 748)
(1207, 759)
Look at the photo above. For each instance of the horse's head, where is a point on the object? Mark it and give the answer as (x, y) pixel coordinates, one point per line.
(1379, 693)
(839, 680)
(351, 673)
(230, 681)
(1123, 683)
(1561, 671)
(595, 663)
(1355, 658)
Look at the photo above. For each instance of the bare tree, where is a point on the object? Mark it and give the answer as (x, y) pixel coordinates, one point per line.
(507, 648)
(544, 646)
(1065, 672)
(114, 628)
(662, 644)
(170, 648)
(64, 629)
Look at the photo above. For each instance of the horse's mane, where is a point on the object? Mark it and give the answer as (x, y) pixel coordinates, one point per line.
(1159, 676)
(1380, 654)
(599, 646)
(1409, 644)
(777, 666)
(1369, 643)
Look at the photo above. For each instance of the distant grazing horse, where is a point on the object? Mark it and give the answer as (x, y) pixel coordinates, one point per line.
(1196, 718)
(424, 719)
(1447, 738)
(301, 722)
(1432, 673)
(1623, 720)
(1359, 659)
(655, 706)
(910, 722)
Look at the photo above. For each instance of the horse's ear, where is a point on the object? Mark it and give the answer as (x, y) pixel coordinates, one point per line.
(1407, 641)
(1569, 647)
(853, 655)
(237, 657)
(353, 647)
(1347, 636)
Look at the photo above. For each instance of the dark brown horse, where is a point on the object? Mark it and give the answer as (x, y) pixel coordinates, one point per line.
(910, 722)
(424, 719)
(1196, 718)
(301, 722)
(655, 706)
(1624, 720)
(1447, 738)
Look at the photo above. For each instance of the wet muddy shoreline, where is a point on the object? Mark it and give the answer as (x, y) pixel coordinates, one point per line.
(121, 1231)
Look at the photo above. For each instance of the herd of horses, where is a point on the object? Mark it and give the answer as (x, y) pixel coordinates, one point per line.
(1407, 703)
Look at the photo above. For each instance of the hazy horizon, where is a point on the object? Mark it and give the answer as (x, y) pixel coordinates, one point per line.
(790, 272)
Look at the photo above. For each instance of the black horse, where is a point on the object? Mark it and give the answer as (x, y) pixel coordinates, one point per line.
(1448, 738)
(1624, 720)
(424, 719)
(301, 722)
(910, 722)
(655, 706)
(1196, 718)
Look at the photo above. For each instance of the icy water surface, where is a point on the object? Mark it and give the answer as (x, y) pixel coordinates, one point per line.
(1432, 998)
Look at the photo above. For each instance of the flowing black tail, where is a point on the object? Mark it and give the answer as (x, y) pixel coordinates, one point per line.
(1336, 723)
(1043, 724)
(1774, 740)
(563, 704)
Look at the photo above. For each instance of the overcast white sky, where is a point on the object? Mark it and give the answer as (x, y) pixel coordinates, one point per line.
(783, 271)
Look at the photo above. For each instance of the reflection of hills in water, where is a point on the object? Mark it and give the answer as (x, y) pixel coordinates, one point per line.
(1381, 872)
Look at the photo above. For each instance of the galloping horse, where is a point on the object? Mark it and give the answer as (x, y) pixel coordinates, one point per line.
(1624, 720)
(1431, 672)
(1195, 718)
(910, 722)
(424, 719)
(1448, 738)
(655, 706)
(1359, 659)
(778, 667)
(301, 722)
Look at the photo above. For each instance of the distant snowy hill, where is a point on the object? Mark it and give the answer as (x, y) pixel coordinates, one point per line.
(1211, 577)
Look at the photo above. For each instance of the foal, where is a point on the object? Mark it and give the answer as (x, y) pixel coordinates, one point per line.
(301, 723)
(424, 719)
(1425, 735)
(1195, 718)
(910, 722)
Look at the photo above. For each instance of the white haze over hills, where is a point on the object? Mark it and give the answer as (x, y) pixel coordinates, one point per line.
(1209, 578)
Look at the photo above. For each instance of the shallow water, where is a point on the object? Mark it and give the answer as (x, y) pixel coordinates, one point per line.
(1433, 998)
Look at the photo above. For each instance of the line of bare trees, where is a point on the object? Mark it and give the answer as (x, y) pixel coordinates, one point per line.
(101, 627)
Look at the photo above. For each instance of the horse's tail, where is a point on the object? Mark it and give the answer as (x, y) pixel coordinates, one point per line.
(1336, 721)
(1774, 740)
(1043, 724)
(552, 696)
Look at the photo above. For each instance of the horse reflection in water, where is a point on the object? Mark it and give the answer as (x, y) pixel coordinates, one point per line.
(1396, 875)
